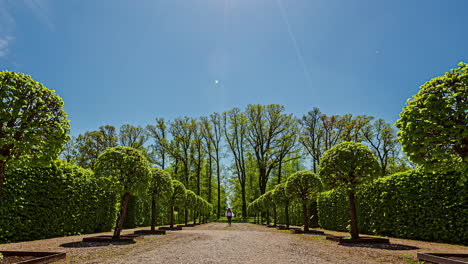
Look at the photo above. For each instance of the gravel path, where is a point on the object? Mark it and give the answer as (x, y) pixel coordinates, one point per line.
(239, 243)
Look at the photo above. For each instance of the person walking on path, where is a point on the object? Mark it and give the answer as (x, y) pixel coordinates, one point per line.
(229, 215)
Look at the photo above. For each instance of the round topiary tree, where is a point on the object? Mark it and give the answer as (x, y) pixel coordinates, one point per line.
(281, 197)
(303, 185)
(189, 202)
(33, 123)
(126, 171)
(160, 187)
(348, 165)
(433, 124)
(178, 196)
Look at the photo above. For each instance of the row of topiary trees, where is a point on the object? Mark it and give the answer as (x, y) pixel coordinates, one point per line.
(127, 172)
(346, 165)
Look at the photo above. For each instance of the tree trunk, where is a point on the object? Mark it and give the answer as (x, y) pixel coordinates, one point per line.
(172, 216)
(304, 215)
(2, 175)
(274, 216)
(353, 215)
(262, 180)
(244, 203)
(219, 184)
(314, 214)
(185, 215)
(268, 217)
(210, 175)
(122, 214)
(153, 213)
(279, 172)
(286, 214)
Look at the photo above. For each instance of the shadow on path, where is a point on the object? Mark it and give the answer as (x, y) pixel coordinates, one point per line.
(380, 246)
(92, 244)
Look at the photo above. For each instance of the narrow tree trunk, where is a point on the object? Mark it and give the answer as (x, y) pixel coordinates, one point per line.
(210, 175)
(286, 214)
(194, 217)
(153, 213)
(274, 216)
(185, 215)
(279, 172)
(219, 185)
(314, 214)
(172, 216)
(304, 215)
(2, 175)
(353, 215)
(244, 203)
(122, 214)
(268, 217)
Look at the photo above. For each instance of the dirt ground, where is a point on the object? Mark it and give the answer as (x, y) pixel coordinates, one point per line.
(239, 243)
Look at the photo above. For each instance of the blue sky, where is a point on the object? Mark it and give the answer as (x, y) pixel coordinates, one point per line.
(116, 62)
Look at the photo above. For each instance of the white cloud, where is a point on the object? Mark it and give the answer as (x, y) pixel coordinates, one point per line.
(41, 9)
(5, 43)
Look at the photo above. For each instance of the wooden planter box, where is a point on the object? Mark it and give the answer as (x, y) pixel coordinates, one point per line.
(443, 258)
(188, 225)
(149, 232)
(29, 257)
(361, 240)
(111, 239)
(175, 228)
(281, 227)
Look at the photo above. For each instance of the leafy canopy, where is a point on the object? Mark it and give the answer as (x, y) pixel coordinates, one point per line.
(279, 195)
(179, 194)
(348, 165)
(303, 185)
(32, 120)
(124, 169)
(433, 124)
(160, 183)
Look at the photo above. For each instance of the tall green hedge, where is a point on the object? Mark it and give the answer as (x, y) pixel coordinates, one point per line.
(58, 200)
(411, 204)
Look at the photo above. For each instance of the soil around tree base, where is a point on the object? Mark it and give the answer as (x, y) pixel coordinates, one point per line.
(30, 257)
(443, 258)
(361, 240)
(110, 239)
(149, 232)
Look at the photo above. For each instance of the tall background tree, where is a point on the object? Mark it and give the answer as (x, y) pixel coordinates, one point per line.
(235, 130)
(33, 123)
(212, 132)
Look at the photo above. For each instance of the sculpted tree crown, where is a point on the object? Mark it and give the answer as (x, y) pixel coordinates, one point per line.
(348, 164)
(32, 120)
(433, 124)
(124, 169)
(304, 185)
(160, 183)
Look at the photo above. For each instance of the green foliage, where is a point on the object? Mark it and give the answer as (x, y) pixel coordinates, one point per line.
(57, 200)
(412, 204)
(279, 195)
(433, 124)
(348, 165)
(124, 169)
(179, 194)
(32, 120)
(160, 183)
(303, 185)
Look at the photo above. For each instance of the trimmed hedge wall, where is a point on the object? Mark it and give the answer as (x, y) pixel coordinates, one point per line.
(411, 204)
(58, 200)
